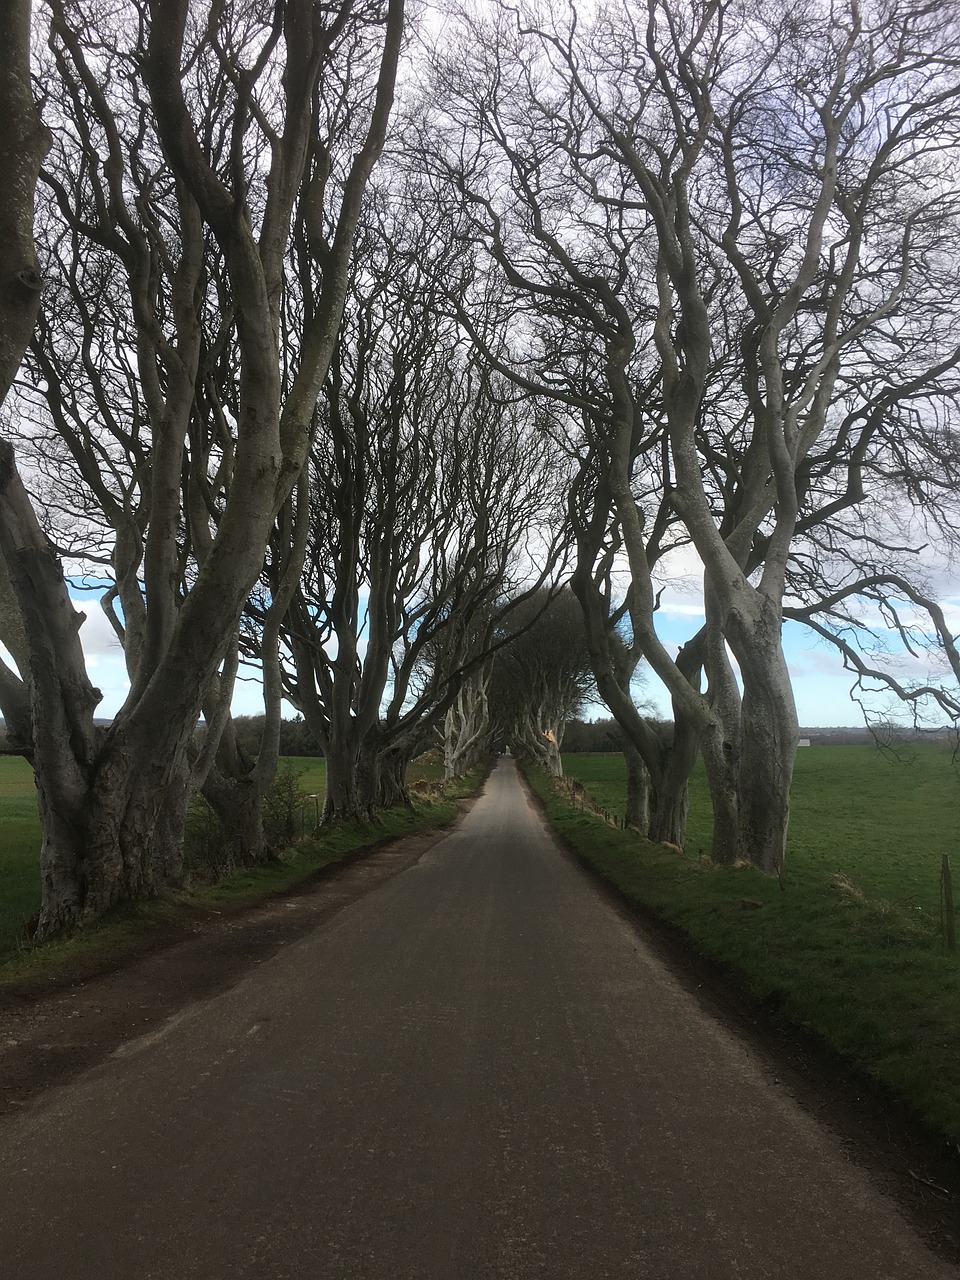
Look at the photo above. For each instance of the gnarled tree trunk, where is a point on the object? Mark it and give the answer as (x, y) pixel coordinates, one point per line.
(770, 733)
(23, 143)
(117, 836)
(637, 813)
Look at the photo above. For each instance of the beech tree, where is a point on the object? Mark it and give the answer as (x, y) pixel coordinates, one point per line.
(289, 128)
(22, 148)
(541, 677)
(431, 507)
(468, 732)
(737, 225)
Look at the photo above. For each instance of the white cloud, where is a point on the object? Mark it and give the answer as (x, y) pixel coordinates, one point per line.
(96, 634)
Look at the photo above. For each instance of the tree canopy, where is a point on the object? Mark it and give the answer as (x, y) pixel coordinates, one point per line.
(399, 368)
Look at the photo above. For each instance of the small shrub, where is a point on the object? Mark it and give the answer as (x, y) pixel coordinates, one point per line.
(282, 806)
(204, 848)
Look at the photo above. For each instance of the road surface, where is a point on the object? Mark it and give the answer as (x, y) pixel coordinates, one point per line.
(475, 1072)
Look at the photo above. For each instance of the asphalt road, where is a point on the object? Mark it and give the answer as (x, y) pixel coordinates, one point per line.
(475, 1071)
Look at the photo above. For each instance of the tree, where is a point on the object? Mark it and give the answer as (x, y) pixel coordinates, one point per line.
(238, 176)
(737, 225)
(541, 677)
(430, 507)
(467, 728)
(22, 147)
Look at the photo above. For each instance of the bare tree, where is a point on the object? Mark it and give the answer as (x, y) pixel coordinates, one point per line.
(541, 677)
(22, 147)
(431, 504)
(467, 727)
(750, 217)
(238, 177)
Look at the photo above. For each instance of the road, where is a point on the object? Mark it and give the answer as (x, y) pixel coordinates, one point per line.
(477, 1070)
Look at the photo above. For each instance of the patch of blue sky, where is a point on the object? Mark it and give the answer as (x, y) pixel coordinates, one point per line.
(821, 685)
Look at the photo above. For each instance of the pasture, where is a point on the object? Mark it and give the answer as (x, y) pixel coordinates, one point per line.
(852, 947)
(19, 848)
(884, 820)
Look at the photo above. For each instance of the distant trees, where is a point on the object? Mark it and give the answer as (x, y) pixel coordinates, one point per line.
(603, 735)
(295, 737)
(534, 678)
(433, 503)
(541, 677)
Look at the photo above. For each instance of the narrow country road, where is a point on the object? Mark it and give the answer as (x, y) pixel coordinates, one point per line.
(476, 1071)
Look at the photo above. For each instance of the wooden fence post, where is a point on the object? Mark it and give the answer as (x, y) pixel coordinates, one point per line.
(946, 881)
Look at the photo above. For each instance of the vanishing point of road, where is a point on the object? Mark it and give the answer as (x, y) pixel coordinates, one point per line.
(477, 1071)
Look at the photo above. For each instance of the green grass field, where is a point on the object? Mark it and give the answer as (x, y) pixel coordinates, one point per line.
(19, 847)
(882, 820)
(852, 948)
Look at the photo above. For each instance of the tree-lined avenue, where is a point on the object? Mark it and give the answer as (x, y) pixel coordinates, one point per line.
(477, 1070)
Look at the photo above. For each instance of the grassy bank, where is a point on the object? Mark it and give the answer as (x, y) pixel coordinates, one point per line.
(131, 929)
(852, 949)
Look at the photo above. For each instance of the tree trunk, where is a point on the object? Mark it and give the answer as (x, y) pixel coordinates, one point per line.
(770, 733)
(554, 764)
(392, 778)
(23, 143)
(238, 803)
(638, 790)
(168, 832)
(368, 778)
(342, 798)
(449, 745)
(669, 798)
(119, 840)
(466, 727)
(720, 759)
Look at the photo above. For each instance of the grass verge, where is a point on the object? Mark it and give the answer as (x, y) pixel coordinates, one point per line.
(866, 975)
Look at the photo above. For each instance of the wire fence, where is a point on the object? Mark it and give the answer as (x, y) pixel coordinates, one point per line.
(582, 800)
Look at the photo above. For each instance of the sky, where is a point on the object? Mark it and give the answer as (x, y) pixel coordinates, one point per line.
(821, 686)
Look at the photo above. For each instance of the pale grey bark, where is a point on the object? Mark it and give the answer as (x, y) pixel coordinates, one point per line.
(23, 144)
(466, 726)
(752, 222)
(117, 781)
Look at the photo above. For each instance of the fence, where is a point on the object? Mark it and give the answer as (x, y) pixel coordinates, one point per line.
(581, 799)
(947, 919)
